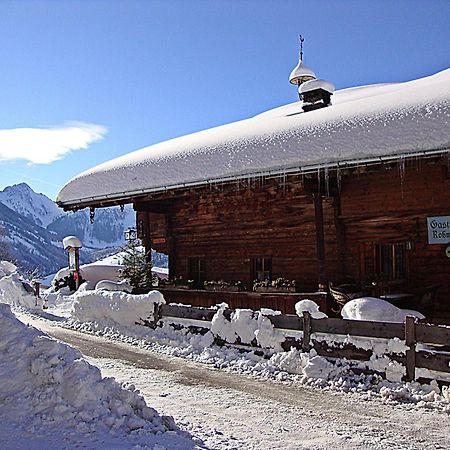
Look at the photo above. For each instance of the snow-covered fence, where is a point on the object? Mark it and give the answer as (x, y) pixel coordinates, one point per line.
(340, 336)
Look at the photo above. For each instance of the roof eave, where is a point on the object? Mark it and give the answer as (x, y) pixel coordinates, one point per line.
(120, 198)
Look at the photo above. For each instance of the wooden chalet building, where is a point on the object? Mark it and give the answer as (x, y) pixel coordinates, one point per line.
(352, 190)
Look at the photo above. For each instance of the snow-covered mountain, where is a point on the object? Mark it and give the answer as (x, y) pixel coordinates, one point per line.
(33, 227)
(37, 207)
(107, 229)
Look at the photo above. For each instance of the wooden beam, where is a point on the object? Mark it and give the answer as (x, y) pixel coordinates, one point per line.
(320, 240)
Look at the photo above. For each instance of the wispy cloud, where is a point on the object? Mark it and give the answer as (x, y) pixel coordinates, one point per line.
(45, 145)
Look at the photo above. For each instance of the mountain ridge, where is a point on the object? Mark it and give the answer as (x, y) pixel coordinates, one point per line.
(34, 226)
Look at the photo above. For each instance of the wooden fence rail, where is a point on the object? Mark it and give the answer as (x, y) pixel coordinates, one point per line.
(412, 332)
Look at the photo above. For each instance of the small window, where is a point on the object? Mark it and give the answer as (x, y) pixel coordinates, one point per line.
(391, 261)
(263, 268)
(197, 271)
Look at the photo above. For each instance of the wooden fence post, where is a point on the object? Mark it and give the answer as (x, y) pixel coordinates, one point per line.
(156, 315)
(306, 345)
(410, 341)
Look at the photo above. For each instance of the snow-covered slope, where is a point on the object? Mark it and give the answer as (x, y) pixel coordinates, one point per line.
(37, 207)
(107, 229)
(363, 124)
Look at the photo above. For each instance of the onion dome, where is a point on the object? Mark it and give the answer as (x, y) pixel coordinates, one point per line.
(301, 73)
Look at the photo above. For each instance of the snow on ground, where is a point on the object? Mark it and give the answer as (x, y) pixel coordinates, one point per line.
(52, 398)
(112, 317)
(232, 410)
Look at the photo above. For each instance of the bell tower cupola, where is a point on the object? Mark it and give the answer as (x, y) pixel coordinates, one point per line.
(301, 72)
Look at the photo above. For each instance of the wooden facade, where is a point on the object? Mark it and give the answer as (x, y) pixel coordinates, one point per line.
(360, 225)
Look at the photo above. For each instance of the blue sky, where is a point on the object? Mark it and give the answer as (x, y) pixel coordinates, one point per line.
(115, 76)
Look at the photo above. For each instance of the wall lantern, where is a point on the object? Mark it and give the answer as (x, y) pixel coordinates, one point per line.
(130, 234)
(72, 244)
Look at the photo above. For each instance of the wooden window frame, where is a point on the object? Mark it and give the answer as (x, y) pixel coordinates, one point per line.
(197, 271)
(391, 261)
(262, 268)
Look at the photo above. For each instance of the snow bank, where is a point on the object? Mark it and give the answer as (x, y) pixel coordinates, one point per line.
(119, 307)
(305, 368)
(311, 307)
(50, 387)
(246, 326)
(13, 292)
(377, 310)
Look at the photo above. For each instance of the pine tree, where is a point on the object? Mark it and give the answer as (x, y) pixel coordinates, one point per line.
(137, 264)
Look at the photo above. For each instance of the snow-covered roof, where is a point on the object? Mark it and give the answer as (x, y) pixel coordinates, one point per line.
(312, 85)
(365, 124)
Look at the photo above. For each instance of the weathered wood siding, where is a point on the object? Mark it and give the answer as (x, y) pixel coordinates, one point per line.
(391, 205)
(229, 225)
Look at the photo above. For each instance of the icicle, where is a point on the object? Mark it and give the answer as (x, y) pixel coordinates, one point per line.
(318, 181)
(401, 168)
(338, 177)
(327, 181)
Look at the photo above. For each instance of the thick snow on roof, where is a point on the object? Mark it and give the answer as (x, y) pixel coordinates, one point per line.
(312, 85)
(362, 124)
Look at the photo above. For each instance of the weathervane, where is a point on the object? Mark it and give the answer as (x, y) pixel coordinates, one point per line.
(301, 39)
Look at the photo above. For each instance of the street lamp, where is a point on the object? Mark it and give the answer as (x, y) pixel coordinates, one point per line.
(72, 244)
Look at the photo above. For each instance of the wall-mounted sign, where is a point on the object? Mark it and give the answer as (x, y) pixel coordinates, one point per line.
(447, 252)
(438, 230)
(159, 241)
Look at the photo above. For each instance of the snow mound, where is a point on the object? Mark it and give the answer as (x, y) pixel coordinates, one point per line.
(311, 307)
(14, 292)
(7, 268)
(377, 310)
(118, 307)
(51, 387)
(246, 325)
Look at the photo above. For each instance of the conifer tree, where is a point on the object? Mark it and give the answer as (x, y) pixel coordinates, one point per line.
(137, 264)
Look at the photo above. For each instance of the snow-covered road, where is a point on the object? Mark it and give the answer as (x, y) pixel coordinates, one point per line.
(232, 411)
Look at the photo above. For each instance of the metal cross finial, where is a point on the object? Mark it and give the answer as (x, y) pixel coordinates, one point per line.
(301, 39)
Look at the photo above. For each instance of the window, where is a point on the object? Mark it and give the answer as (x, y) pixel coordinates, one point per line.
(263, 268)
(197, 271)
(391, 261)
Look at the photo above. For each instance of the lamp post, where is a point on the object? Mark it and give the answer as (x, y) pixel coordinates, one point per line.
(72, 244)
